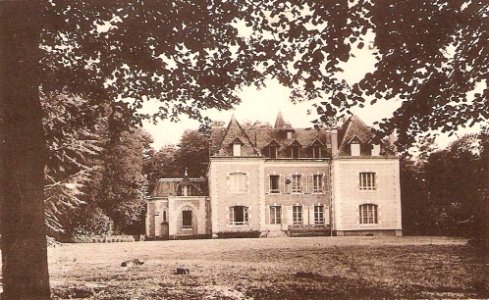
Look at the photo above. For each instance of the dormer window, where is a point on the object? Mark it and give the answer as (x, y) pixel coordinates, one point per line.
(272, 151)
(375, 150)
(289, 135)
(355, 148)
(294, 151)
(316, 151)
(186, 190)
(236, 149)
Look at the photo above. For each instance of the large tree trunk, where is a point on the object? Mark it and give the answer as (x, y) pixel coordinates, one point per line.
(24, 251)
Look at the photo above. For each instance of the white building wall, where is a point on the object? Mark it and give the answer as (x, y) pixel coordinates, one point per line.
(222, 198)
(347, 196)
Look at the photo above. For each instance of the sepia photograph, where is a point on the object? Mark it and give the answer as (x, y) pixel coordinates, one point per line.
(244, 149)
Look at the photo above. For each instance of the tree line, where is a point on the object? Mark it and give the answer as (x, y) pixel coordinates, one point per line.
(446, 192)
(190, 56)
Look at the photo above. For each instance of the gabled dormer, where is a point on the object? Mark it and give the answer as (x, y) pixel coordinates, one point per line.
(316, 148)
(235, 142)
(355, 146)
(294, 149)
(271, 149)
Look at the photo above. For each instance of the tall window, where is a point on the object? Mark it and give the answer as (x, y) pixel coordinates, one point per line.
(275, 214)
(296, 184)
(238, 215)
(319, 214)
(236, 149)
(238, 183)
(164, 216)
(317, 183)
(274, 184)
(187, 219)
(316, 152)
(367, 181)
(297, 214)
(294, 151)
(368, 214)
(272, 151)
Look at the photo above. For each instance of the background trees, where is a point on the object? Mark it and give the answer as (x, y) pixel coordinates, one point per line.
(189, 56)
(445, 193)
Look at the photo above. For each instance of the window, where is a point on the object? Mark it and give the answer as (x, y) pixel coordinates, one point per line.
(316, 152)
(355, 149)
(275, 214)
(238, 215)
(186, 190)
(272, 152)
(164, 216)
(368, 214)
(274, 184)
(318, 214)
(238, 183)
(187, 219)
(297, 214)
(367, 181)
(236, 149)
(375, 150)
(294, 151)
(317, 181)
(296, 184)
(289, 135)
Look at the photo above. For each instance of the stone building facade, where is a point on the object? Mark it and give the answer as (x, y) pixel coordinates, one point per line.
(279, 180)
(178, 208)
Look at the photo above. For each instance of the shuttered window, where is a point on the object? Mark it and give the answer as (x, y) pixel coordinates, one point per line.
(297, 215)
(238, 215)
(317, 181)
(275, 214)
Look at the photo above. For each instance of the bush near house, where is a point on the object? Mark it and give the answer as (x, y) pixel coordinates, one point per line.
(235, 234)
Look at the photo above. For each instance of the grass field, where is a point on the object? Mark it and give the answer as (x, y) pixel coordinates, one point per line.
(273, 268)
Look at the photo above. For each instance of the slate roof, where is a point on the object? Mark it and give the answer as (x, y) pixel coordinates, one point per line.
(256, 138)
(170, 186)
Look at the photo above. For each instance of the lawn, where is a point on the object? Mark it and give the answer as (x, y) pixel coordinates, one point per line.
(272, 268)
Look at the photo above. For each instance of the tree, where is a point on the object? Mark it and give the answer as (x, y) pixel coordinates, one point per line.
(160, 164)
(24, 254)
(193, 153)
(189, 55)
(120, 193)
(176, 52)
(73, 142)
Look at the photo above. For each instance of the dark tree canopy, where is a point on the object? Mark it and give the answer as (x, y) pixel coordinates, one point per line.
(189, 55)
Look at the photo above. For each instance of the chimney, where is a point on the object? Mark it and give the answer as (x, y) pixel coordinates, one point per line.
(334, 141)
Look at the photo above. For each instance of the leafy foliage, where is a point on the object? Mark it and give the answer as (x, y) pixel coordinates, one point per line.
(120, 191)
(191, 155)
(72, 143)
(446, 193)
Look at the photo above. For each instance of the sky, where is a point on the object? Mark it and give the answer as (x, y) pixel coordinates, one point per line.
(263, 105)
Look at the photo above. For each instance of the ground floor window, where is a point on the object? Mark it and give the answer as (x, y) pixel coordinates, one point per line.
(275, 215)
(368, 214)
(319, 214)
(187, 219)
(238, 215)
(297, 214)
